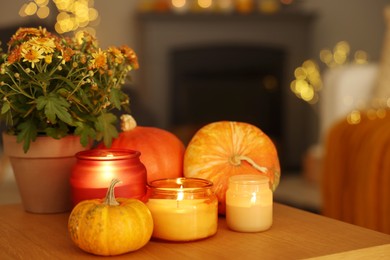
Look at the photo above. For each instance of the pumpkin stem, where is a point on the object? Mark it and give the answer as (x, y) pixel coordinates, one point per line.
(128, 123)
(236, 160)
(110, 196)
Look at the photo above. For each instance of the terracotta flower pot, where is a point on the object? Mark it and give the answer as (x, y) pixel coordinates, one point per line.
(42, 174)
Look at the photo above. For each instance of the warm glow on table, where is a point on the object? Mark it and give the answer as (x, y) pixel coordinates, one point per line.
(295, 234)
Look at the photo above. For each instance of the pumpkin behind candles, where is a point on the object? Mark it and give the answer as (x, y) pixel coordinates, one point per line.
(161, 151)
(110, 226)
(226, 148)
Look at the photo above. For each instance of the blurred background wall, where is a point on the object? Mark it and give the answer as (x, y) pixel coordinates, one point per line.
(359, 22)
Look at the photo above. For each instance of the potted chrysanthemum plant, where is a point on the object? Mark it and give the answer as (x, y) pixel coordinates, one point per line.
(61, 90)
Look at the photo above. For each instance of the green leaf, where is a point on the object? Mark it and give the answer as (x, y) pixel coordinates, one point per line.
(106, 125)
(43, 77)
(57, 132)
(54, 107)
(66, 80)
(5, 108)
(115, 97)
(28, 133)
(85, 132)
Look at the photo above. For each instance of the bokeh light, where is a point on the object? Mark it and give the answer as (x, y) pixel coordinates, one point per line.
(205, 3)
(354, 117)
(308, 82)
(72, 14)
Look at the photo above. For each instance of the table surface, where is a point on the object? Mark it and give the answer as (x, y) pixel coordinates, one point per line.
(295, 234)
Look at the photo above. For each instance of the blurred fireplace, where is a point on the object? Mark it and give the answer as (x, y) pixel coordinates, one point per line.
(226, 82)
(238, 55)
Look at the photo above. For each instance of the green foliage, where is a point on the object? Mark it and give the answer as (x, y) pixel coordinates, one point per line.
(55, 86)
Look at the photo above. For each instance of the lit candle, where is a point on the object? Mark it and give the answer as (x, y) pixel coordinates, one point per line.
(183, 209)
(95, 169)
(249, 203)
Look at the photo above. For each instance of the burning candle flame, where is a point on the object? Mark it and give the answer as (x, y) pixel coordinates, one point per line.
(108, 173)
(180, 195)
(253, 198)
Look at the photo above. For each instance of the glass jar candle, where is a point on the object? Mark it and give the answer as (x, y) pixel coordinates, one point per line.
(94, 170)
(249, 202)
(183, 209)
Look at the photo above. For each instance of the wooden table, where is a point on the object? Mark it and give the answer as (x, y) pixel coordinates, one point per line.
(295, 234)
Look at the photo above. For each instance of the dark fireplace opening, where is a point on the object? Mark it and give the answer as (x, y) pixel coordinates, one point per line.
(230, 82)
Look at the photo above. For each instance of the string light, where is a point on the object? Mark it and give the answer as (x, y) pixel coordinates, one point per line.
(308, 82)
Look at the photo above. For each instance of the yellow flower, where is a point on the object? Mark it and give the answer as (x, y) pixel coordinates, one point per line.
(118, 56)
(48, 59)
(99, 59)
(77, 76)
(32, 55)
(47, 45)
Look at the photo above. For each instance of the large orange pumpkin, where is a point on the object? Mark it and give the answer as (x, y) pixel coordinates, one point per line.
(225, 148)
(161, 151)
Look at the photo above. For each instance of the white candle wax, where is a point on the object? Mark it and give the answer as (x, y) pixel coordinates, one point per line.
(183, 220)
(249, 203)
(248, 218)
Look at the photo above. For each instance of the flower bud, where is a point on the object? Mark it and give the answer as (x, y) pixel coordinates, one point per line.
(48, 59)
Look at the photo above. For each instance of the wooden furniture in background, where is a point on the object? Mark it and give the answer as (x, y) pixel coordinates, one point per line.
(356, 172)
(295, 234)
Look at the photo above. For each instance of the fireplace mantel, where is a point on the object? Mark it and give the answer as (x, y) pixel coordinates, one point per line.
(160, 33)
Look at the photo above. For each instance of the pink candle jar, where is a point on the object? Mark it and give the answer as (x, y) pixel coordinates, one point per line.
(95, 169)
(183, 209)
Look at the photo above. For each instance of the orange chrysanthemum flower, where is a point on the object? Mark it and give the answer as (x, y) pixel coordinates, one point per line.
(117, 55)
(131, 56)
(45, 44)
(32, 55)
(67, 54)
(75, 75)
(14, 55)
(25, 34)
(99, 59)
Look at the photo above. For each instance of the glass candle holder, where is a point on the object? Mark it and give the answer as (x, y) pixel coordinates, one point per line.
(249, 203)
(183, 209)
(94, 170)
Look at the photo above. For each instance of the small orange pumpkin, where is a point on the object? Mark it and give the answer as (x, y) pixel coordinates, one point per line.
(110, 226)
(161, 151)
(225, 148)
